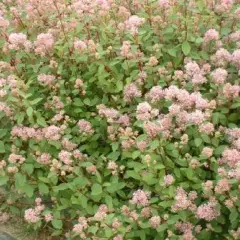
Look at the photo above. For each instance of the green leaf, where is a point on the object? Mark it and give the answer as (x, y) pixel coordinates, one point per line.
(172, 52)
(3, 132)
(233, 215)
(136, 154)
(115, 187)
(132, 174)
(96, 189)
(57, 224)
(29, 190)
(154, 144)
(162, 227)
(28, 168)
(219, 150)
(186, 48)
(80, 182)
(3, 180)
(29, 111)
(61, 187)
(43, 188)
(2, 147)
(35, 101)
(198, 142)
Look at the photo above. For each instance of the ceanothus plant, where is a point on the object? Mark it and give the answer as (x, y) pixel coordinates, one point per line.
(120, 118)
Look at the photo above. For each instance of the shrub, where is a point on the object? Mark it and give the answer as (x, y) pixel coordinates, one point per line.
(120, 119)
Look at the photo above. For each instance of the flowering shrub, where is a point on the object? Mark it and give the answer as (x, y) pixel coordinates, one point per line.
(120, 119)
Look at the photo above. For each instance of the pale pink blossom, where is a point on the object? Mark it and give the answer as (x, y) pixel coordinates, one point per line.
(44, 44)
(44, 158)
(155, 94)
(130, 92)
(140, 197)
(31, 216)
(219, 75)
(207, 152)
(222, 186)
(133, 23)
(46, 79)
(211, 35)
(207, 128)
(168, 180)
(207, 211)
(48, 217)
(85, 126)
(155, 221)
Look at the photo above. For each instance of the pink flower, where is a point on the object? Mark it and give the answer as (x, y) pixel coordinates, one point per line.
(207, 128)
(78, 155)
(222, 57)
(108, 113)
(85, 126)
(155, 221)
(46, 79)
(222, 186)
(219, 76)
(155, 94)
(208, 185)
(101, 214)
(80, 45)
(211, 35)
(192, 69)
(31, 216)
(196, 117)
(142, 145)
(182, 201)
(19, 41)
(65, 157)
(92, 169)
(45, 159)
(130, 92)
(133, 23)
(68, 145)
(236, 58)
(152, 129)
(198, 79)
(144, 111)
(153, 61)
(125, 49)
(231, 91)
(52, 133)
(14, 158)
(44, 44)
(168, 180)
(3, 22)
(48, 217)
(140, 197)
(207, 152)
(164, 3)
(207, 211)
(118, 237)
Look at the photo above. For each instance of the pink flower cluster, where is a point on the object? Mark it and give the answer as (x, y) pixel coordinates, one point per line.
(50, 133)
(32, 215)
(44, 44)
(46, 79)
(207, 211)
(145, 111)
(19, 41)
(85, 126)
(131, 91)
(133, 23)
(140, 198)
(183, 201)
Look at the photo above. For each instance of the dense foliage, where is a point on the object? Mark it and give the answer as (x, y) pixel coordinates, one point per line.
(120, 118)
